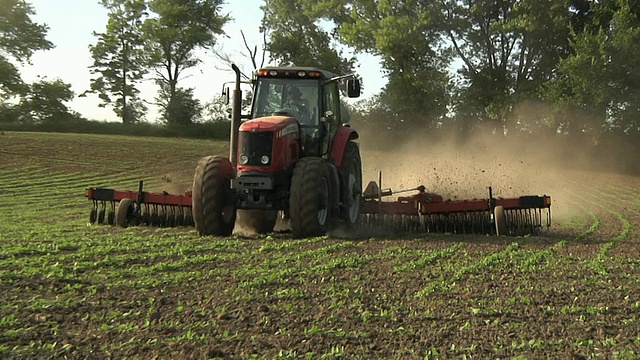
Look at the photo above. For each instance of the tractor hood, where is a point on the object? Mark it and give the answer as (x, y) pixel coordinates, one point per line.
(271, 124)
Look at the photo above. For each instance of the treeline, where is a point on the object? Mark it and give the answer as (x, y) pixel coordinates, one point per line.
(211, 130)
(143, 40)
(515, 68)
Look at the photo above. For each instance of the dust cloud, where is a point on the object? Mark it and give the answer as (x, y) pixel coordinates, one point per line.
(173, 183)
(464, 169)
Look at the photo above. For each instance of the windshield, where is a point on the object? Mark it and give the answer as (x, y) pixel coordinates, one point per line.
(294, 97)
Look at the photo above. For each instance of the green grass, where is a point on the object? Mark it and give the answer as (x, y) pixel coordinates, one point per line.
(71, 289)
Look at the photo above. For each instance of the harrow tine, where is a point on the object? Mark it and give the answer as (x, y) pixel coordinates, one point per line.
(156, 215)
(101, 212)
(93, 215)
(526, 221)
(145, 215)
(111, 213)
(172, 216)
(179, 216)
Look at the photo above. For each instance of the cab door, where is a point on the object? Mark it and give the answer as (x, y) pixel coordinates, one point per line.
(331, 114)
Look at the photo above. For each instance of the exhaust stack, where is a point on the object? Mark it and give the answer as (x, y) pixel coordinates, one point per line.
(236, 114)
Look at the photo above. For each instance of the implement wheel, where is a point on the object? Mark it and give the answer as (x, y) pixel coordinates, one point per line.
(351, 174)
(500, 220)
(213, 201)
(309, 204)
(257, 221)
(125, 212)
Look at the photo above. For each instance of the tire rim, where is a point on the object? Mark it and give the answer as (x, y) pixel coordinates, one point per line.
(323, 202)
(354, 203)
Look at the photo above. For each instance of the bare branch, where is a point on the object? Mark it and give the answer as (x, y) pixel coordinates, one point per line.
(252, 54)
(264, 48)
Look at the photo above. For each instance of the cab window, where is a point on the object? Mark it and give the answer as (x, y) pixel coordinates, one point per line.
(298, 98)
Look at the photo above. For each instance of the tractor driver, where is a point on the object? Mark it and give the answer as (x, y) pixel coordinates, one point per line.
(299, 104)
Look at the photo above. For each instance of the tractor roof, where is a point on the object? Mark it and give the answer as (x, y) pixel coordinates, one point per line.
(324, 73)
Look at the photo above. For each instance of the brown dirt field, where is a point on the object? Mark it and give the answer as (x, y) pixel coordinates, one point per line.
(68, 290)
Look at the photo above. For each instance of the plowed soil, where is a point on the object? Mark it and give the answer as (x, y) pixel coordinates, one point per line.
(69, 289)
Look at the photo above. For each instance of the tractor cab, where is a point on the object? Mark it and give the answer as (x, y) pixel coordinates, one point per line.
(309, 95)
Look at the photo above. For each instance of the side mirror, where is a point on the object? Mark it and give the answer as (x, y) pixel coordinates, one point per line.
(225, 95)
(353, 88)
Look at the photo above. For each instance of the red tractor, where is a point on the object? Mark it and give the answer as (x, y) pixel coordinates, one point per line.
(293, 155)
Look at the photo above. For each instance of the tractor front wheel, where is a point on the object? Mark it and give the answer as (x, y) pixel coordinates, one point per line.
(309, 202)
(213, 203)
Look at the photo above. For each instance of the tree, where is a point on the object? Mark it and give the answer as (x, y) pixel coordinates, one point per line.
(600, 77)
(44, 102)
(119, 59)
(216, 110)
(20, 37)
(179, 28)
(508, 49)
(183, 108)
(297, 38)
(404, 34)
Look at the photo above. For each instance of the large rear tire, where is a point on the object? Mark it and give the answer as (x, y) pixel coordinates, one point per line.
(213, 203)
(309, 202)
(257, 221)
(351, 174)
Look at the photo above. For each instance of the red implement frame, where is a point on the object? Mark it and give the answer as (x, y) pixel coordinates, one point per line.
(151, 208)
(524, 212)
(151, 198)
(427, 203)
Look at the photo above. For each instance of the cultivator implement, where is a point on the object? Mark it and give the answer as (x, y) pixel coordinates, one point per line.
(421, 211)
(125, 208)
(429, 212)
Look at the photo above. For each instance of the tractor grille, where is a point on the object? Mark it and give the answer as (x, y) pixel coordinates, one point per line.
(255, 145)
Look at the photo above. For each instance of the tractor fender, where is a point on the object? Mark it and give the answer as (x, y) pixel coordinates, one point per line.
(343, 136)
(334, 193)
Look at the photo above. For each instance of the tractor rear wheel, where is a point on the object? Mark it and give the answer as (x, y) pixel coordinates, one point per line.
(125, 212)
(351, 173)
(257, 221)
(213, 203)
(309, 202)
(500, 220)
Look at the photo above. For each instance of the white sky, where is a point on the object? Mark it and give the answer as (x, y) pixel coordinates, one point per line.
(71, 26)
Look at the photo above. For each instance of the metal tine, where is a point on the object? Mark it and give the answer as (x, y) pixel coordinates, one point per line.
(101, 212)
(156, 216)
(174, 215)
(519, 222)
(111, 214)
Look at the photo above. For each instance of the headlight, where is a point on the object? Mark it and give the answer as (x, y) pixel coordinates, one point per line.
(244, 159)
(264, 160)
